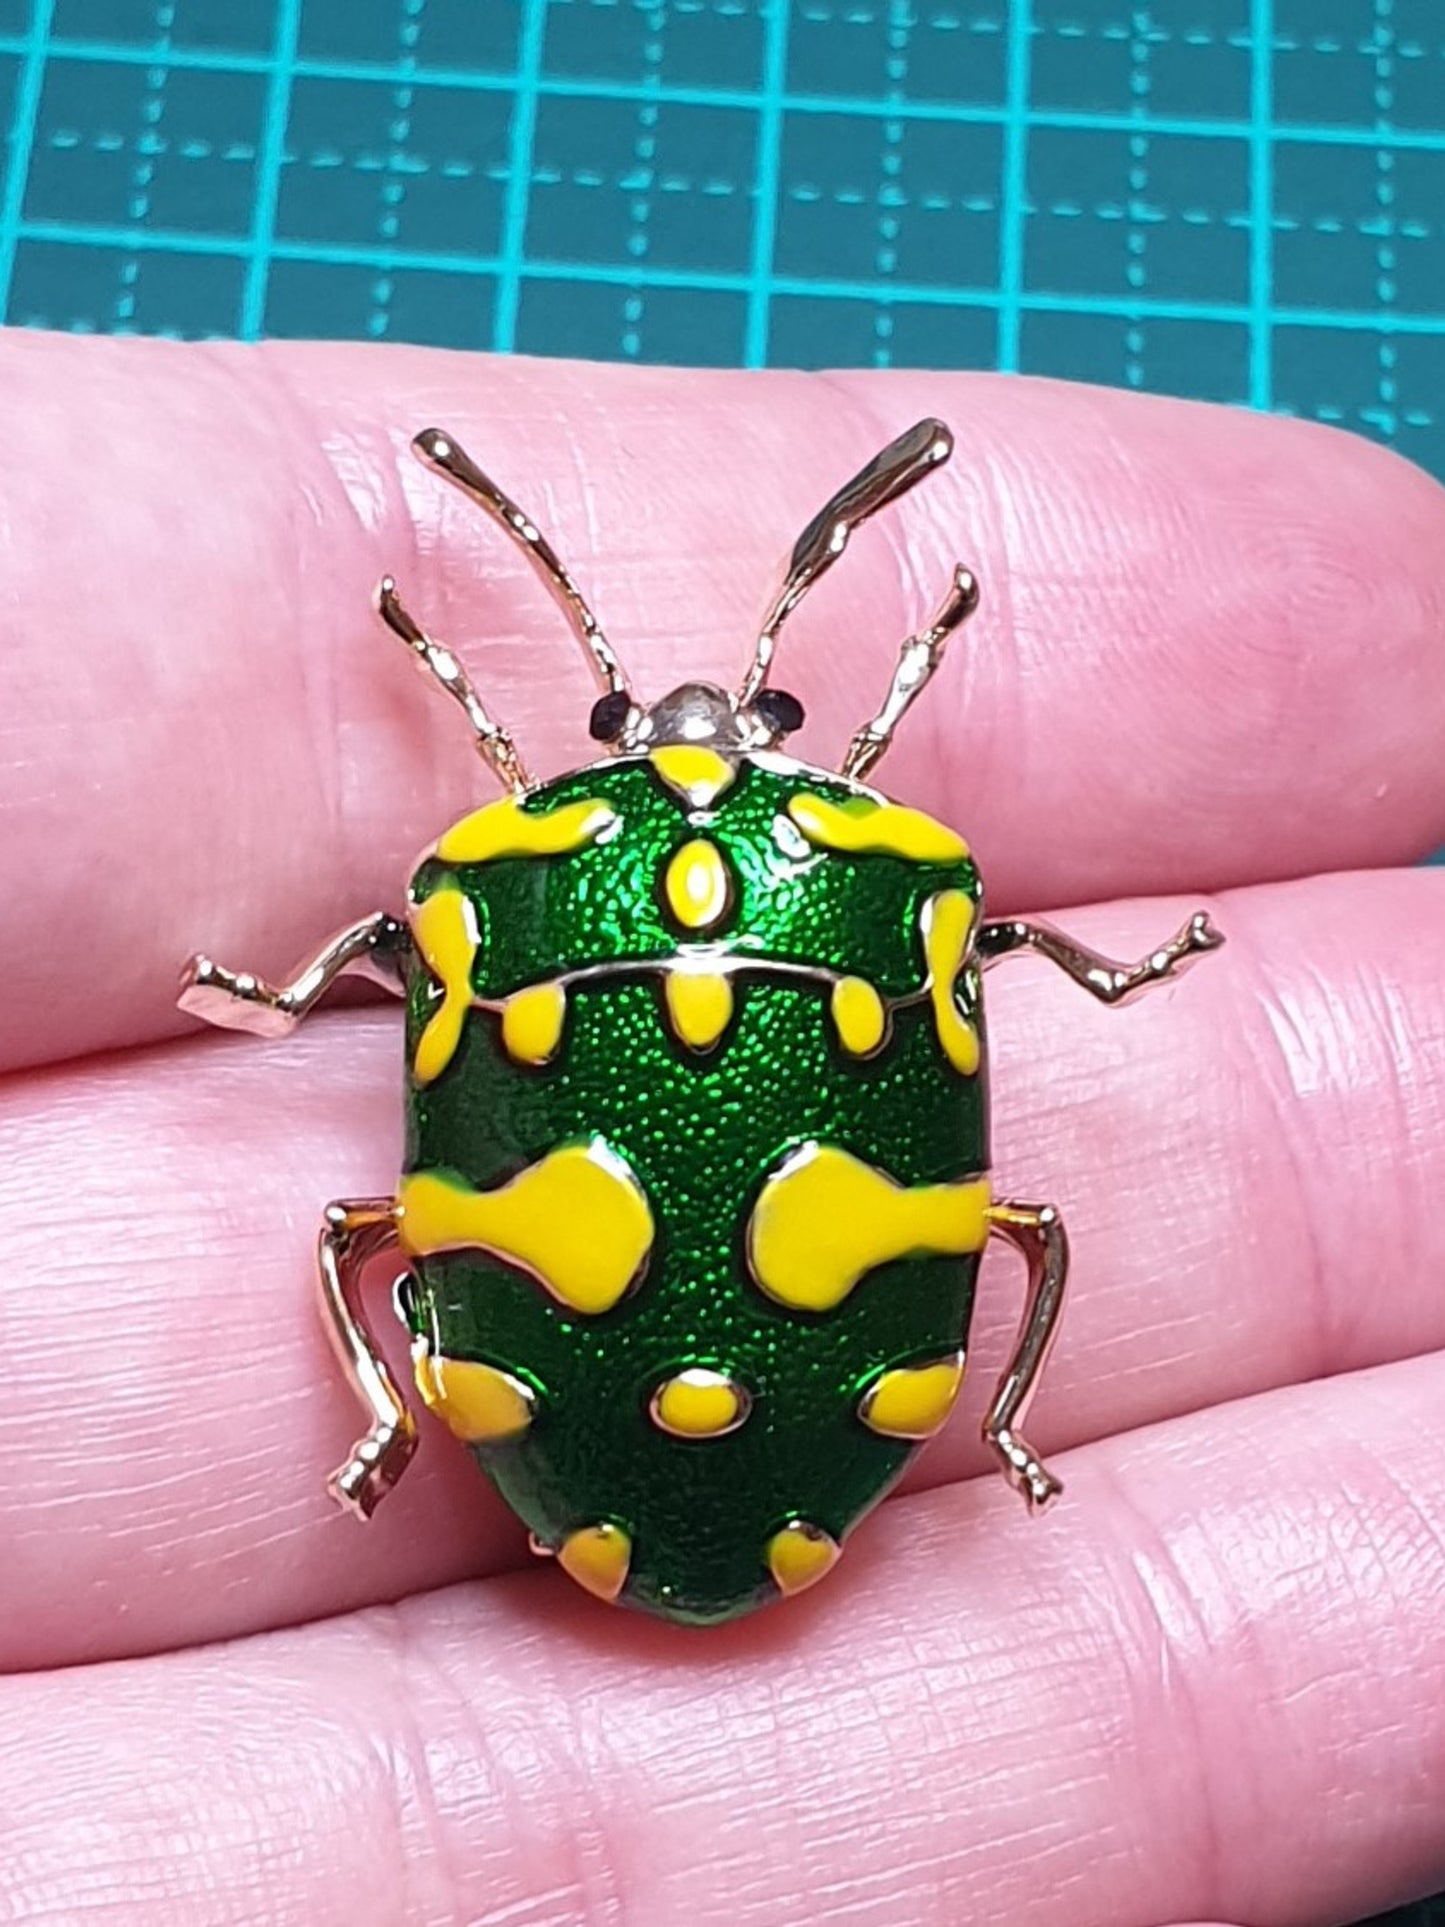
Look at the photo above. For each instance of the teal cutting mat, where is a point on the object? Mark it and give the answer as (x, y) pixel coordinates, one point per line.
(1238, 199)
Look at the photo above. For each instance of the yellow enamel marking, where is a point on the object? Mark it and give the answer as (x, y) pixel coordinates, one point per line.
(445, 929)
(699, 1004)
(504, 828)
(699, 1403)
(693, 772)
(479, 1403)
(532, 1022)
(947, 920)
(826, 1218)
(597, 1557)
(858, 1016)
(577, 1220)
(912, 1401)
(866, 827)
(697, 885)
(800, 1555)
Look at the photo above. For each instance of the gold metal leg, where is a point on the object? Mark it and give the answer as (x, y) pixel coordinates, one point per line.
(1037, 1231)
(351, 1235)
(1110, 982)
(377, 948)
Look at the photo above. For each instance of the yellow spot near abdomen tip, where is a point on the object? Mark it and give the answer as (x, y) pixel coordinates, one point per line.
(445, 929)
(858, 1016)
(947, 921)
(504, 828)
(694, 773)
(479, 1403)
(699, 1403)
(597, 1557)
(825, 1218)
(800, 1555)
(866, 826)
(577, 1220)
(699, 1005)
(697, 885)
(532, 1022)
(912, 1401)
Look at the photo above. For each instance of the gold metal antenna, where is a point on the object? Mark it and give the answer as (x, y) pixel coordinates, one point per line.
(898, 468)
(438, 450)
(493, 743)
(917, 659)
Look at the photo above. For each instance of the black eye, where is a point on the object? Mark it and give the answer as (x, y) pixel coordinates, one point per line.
(782, 712)
(609, 713)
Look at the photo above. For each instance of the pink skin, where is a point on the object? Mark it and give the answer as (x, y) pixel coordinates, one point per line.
(1211, 658)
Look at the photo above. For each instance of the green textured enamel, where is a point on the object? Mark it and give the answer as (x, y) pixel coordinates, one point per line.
(701, 1132)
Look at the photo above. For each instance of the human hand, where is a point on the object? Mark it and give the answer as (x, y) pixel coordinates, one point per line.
(1210, 657)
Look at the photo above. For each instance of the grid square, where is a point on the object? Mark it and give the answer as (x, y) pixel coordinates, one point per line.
(1206, 359)
(1420, 400)
(1112, 213)
(240, 26)
(470, 36)
(1179, 59)
(107, 290)
(933, 50)
(1359, 229)
(646, 180)
(119, 142)
(1345, 376)
(606, 320)
(369, 164)
(15, 16)
(307, 298)
(817, 331)
(682, 43)
(1325, 70)
(915, 201)
(9, 80)
(1416, 78)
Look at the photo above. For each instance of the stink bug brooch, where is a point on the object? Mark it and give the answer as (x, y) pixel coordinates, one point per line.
(695, 1183)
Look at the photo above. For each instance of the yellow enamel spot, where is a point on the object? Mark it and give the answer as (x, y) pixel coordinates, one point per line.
(947, 920)
(445, 929)
(800, 1555)
(858, 1016)
(479, 1403)
(865, 826)
(697, 885)
(912, 1401)
(504, 828)
(532, 1022)
(699, 1404)
(577, 1220)
(825, 1218)
(693, 772)
(699, 1004)
(597, 1557)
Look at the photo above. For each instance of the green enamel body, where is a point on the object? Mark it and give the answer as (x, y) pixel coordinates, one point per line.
(701, 1132)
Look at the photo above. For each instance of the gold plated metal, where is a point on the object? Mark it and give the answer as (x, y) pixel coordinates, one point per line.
(352, 1234)
(439, 451)
(891, 473)
(375, 948)
(1037, 1231)
(493, 743)
(1110, 982)
(917, 660)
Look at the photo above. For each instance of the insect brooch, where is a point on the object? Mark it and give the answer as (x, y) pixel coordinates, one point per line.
(695, 1181)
